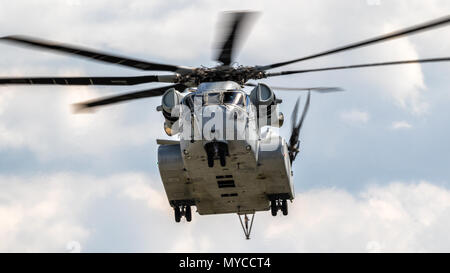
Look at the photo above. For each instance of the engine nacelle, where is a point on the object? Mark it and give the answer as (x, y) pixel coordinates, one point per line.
(169, 101)
(265, 101)
(262, 95)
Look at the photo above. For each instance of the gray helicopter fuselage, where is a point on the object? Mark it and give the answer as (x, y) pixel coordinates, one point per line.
(257, 168)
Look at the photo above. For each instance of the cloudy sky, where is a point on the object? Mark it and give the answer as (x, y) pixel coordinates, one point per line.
(373, 175)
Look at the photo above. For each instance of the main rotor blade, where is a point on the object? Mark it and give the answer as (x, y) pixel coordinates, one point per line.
(316, 89)
(233, 30)
(126, 97)
(445, 59)
(440, 22)
(95, 55)
(90, 80)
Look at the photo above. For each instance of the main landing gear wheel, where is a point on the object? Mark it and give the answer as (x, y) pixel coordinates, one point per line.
(188, 213)
(210, 161)
(274, 207)
(180, 211)
(177, 214)
(222, 158)
(284, 207)
(216, 150)
(278, 204)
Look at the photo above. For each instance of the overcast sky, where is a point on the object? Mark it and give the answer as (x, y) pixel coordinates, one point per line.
(373, 174)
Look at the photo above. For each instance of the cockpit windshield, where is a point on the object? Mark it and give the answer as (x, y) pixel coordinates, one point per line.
(215, 98)
(212, 98)
(232, 97)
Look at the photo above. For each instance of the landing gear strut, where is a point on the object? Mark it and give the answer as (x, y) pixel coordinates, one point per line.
(278, 204)
(182, 210)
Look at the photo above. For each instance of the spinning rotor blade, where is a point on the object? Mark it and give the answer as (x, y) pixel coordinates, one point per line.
(316, 89)
(126, 97)
(233, 30)
(445, 59)
(293, 146)
(95, 55)
(393, 35)
(90, 80)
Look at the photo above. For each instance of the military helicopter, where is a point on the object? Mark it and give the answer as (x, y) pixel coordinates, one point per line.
(223, 162)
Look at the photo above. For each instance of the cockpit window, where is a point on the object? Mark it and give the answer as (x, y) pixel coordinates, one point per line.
(212, 98)
(233, 98)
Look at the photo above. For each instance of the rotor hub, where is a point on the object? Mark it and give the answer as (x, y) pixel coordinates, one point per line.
(239, 74)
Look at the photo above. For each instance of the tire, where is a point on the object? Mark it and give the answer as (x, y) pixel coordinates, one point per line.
(188, 214)
(210, 161)
(284, 207)
(273, 207)
(177, 214)
(223, 161)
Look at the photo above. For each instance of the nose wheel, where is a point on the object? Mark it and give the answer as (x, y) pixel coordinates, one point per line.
(180, 211)
(279, 204)
(216, 150)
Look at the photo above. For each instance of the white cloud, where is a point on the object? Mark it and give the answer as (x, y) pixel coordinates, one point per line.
(396, 217)
(396, 125)
(141, 191)
(404, 83)
(46, 213)
(355, 116)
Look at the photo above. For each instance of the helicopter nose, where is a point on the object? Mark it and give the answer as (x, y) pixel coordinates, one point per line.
(222, 122)
(214, 122)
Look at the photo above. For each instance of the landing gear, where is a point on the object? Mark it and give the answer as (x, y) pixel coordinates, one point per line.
(274, 207)
(182, 210)
(177, 214)
(278, 204)
(210, 160)
(188, 213)
(222, 158)
(284, 207)
(216, 150)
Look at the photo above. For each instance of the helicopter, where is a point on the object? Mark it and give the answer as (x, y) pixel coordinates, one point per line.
(224, 160)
